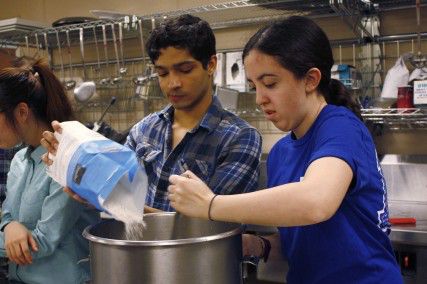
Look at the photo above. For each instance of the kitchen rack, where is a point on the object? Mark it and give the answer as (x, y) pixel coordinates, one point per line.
(220, 16)
(248, 12)
(397, 118)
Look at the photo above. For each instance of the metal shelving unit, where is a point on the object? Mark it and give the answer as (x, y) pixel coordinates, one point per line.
(397, 118)
(246, 12)
(229, 15)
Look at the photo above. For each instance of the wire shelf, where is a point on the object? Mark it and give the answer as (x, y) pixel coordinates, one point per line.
(397, 118)
(229, 14)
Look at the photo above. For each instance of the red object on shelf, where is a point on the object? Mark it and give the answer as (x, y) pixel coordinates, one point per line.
(405, 97)
(398, 221)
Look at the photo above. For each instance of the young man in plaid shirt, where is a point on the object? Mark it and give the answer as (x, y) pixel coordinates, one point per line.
(194, 132)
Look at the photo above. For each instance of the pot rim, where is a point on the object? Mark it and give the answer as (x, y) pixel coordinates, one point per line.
(160, 243)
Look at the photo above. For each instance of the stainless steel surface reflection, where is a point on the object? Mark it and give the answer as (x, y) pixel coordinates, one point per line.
(175, 249)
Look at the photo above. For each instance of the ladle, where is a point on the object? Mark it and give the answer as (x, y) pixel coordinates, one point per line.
(69, 84)
(86, 89)
(148, 81)
(27, 46)
(61, 61)
(141, 80)
(106, 80)
(123, 69)
(119, 78)
(47, 49)
(37, 43)
(98, 68)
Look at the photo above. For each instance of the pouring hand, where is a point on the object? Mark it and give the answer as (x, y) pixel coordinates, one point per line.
(189, 195)
(77, 197)
(50, 143)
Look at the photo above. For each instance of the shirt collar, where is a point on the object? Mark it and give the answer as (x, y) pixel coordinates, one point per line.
(209, 121)
(35, 153)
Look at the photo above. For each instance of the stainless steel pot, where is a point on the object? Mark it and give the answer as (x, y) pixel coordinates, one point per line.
(175, 249)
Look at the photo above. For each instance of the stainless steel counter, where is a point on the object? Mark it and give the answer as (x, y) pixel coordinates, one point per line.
(410, 234)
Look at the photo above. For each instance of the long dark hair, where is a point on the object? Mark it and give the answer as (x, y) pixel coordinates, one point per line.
(35, 85)
(299, 44)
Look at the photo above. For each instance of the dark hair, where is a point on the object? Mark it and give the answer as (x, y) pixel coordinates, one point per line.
(299, 44)
(184, 32)
(35, 85)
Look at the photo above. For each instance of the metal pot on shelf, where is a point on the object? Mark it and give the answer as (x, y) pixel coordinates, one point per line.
(175, 249)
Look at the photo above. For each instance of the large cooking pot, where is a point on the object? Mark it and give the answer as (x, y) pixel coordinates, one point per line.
(175, 250)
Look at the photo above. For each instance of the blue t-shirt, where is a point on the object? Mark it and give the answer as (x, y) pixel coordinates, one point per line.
(353, 245)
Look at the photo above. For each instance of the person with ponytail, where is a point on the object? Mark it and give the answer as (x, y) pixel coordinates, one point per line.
(327, 193)
(40, 229)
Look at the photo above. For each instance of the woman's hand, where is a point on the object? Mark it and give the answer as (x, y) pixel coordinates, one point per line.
(18, 241)
(77, 197)
(50, 143)
(189, 195)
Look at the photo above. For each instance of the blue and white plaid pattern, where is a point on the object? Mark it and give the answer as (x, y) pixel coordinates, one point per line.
(6, 156)
(223, 150)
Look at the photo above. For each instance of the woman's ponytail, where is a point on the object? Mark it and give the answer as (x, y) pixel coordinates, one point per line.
(339, 95)
(58, 106)
(35, 84)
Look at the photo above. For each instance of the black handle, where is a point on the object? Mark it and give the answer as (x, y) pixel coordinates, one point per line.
(113, 100)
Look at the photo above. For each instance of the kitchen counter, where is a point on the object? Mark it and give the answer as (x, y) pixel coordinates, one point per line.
(411, 234)
(414, 234)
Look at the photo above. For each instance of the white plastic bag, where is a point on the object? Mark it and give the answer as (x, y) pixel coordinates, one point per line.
(397, 76)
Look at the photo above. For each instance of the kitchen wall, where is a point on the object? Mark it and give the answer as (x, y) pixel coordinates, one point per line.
(129, 110)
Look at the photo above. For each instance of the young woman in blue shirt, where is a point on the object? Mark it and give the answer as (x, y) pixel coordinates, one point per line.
(326, 190)
(40, 225)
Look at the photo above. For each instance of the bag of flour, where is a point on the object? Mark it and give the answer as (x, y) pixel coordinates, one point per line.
(105, 173)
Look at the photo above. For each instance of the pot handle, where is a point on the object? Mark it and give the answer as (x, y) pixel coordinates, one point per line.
(250, 259)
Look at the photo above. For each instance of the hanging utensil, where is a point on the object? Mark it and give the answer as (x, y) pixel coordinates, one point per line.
(146, 71)
(96, 48)
(47, 49)
(27, 46)
(37, 43)
(148, 84)
(69, 84)
(418, 61)
(61, 61)
(123, 69)
(141, 38)
(107, 80)
(98, 123)
(142, 79)
(119, 78)
(82, 53)
(86, 89)
(98, 69)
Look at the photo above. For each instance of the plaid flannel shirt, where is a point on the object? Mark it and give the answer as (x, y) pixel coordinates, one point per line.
(6, 156)
(223, 150)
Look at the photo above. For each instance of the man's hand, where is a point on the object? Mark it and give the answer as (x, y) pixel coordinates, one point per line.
(18, 241)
